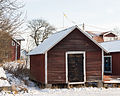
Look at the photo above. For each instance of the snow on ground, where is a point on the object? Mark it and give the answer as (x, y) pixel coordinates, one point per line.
(3, 78)
(2, 73)
(69, 92)
(33, 89)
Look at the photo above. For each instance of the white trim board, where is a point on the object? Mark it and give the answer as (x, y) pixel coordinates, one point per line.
(102, 64)
(110, 82)
(76, 83)
(75, 52)
(46, 68)
(109, 33)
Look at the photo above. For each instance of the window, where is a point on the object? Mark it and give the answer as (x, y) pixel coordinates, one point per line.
(13, 43)
(108, 64)
(109, 38)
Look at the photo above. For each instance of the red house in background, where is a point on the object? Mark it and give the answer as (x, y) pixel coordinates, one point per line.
(16, 47)
(72, 56)
(103, 36)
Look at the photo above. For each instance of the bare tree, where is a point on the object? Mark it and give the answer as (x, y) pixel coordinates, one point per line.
(40, 30)
(116, 30)
(10, 16)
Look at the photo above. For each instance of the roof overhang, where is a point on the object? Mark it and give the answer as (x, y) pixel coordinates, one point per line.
(74, 27)
(109, 33)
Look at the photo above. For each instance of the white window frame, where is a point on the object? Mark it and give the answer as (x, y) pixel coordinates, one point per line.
(13, 43)
(75, 52)
(110, 65)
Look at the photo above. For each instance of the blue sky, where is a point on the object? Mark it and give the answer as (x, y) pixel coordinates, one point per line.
(101, 13)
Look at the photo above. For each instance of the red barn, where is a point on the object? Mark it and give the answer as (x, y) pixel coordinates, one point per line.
(69, 56)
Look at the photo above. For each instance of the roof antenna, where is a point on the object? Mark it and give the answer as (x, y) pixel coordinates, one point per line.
(83, 26)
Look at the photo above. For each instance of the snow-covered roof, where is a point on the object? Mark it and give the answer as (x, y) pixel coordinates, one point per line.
(18, 37)
(55, 38)
(51, 41)
(109, 32)
(94, 33)
(111, 46)
(98, 33)
(16, 41)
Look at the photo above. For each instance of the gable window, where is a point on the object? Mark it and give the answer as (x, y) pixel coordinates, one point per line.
(13, 43)
(108, 64)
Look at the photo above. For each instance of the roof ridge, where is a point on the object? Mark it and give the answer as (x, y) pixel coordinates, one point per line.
(63, 30)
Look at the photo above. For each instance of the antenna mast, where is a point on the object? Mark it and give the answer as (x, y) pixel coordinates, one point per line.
(83, 26)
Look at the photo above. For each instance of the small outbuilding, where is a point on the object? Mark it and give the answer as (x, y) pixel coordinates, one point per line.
(69, 56)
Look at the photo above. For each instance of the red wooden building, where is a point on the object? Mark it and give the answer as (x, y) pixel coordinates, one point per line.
(103, 36)
(112, 61)
(70, 56)
(16, 47)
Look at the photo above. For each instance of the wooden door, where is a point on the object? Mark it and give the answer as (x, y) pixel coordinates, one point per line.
(75, 68)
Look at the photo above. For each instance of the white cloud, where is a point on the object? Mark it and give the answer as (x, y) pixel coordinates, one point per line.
(110, 11)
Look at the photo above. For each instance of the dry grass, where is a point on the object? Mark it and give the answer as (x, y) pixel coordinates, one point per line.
(19, 71)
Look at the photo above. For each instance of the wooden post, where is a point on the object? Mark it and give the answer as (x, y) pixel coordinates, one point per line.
(100, 84)
(48, 85)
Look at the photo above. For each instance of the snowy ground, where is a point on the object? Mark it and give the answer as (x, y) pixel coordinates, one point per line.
(33, 90)
(69, 92)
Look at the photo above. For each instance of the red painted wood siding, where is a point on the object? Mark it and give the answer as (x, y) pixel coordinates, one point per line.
(110, 35)
(18, 52)
(13, 51)
(75, 41)
(37, 68)
(115, 63)
(93, 65)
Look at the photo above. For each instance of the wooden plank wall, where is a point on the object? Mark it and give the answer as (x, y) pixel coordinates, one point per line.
(75, 41)
(18, 52)
(115, 63)
(13, 51)
(37, 68)
(94, 66)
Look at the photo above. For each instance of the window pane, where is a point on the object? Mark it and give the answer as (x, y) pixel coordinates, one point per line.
(13, 43)
(107, 64)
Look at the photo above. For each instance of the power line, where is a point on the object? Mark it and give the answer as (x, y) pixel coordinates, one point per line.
(83, 25)
(96, 27)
